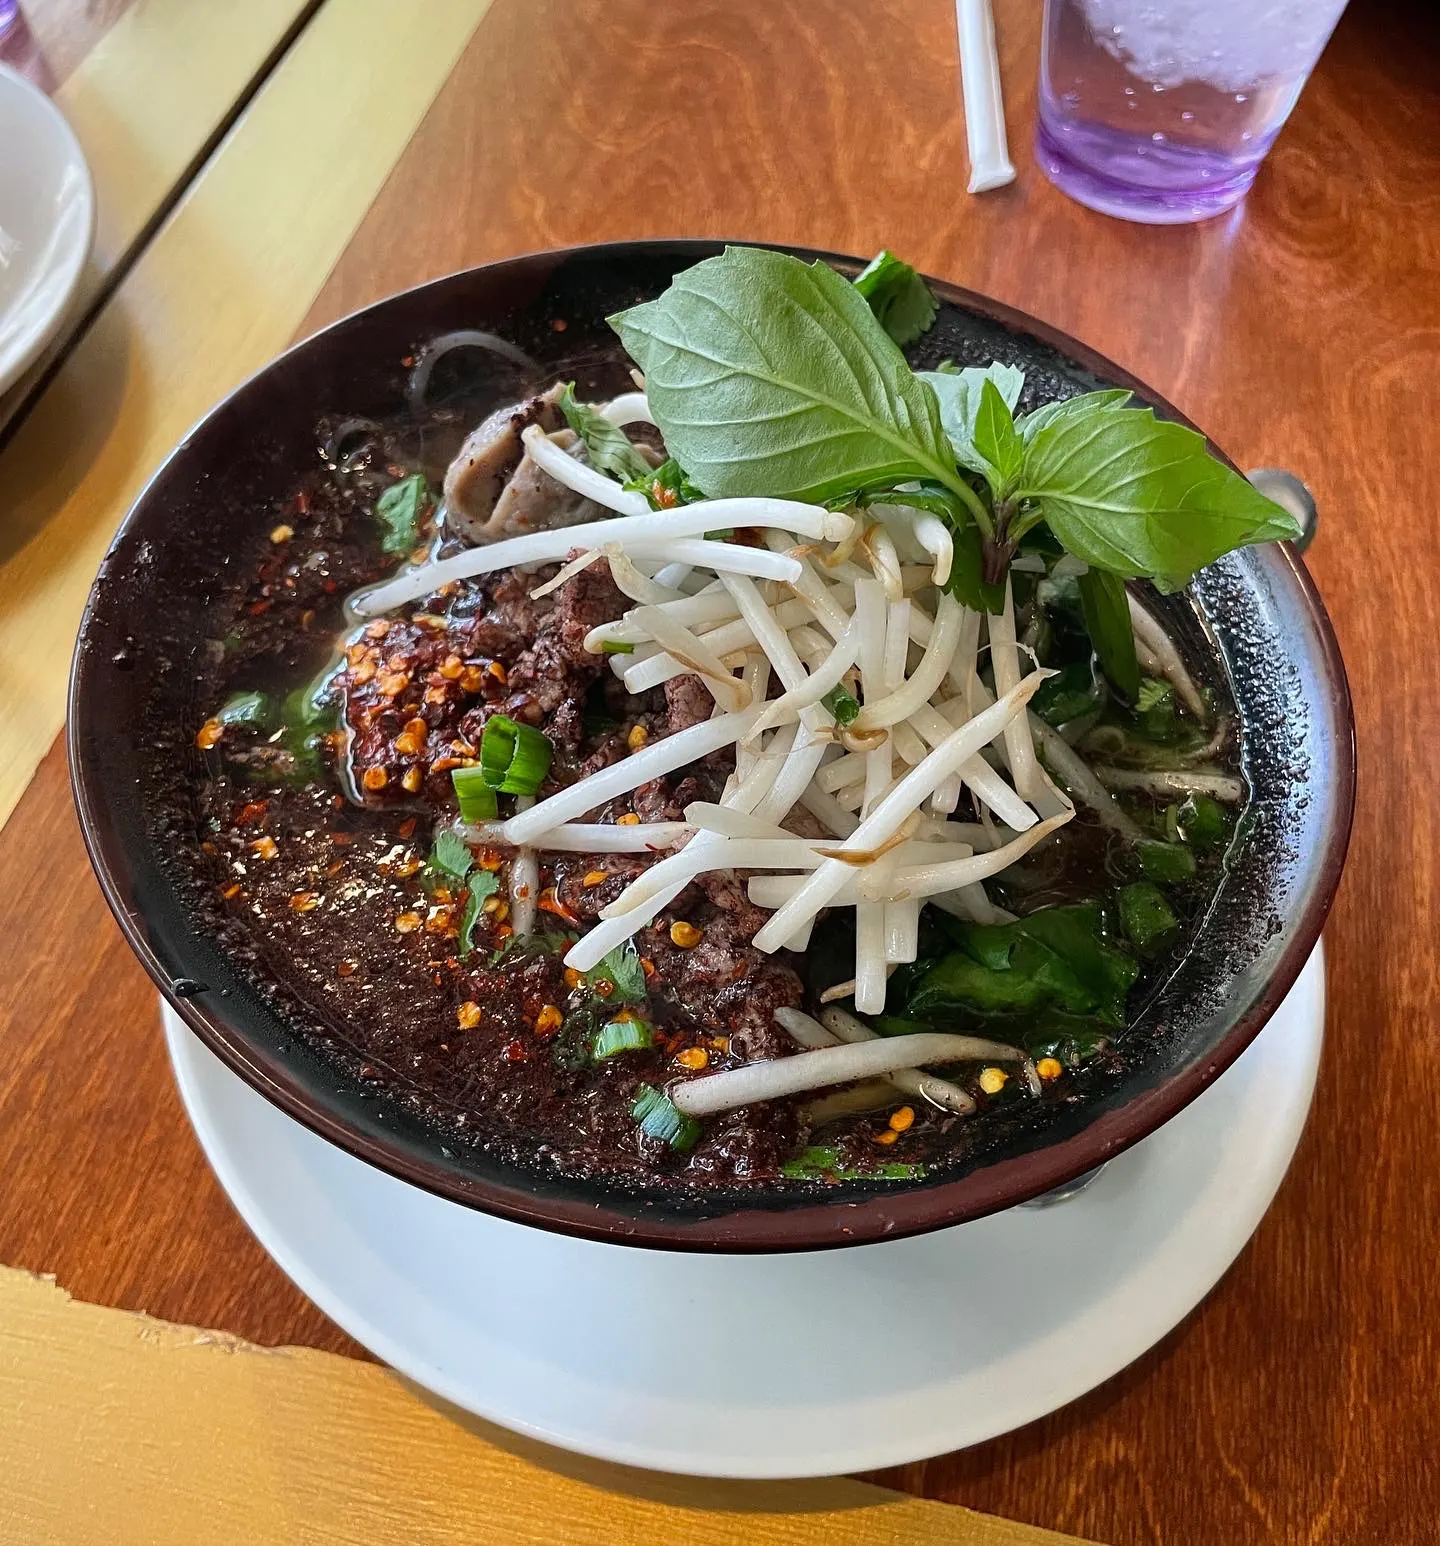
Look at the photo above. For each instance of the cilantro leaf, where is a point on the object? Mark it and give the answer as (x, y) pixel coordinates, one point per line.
(482, 884)
(899, 297)
(608, 446)
(400, 510)
(450, 856)
(665, 486)
(622, 971)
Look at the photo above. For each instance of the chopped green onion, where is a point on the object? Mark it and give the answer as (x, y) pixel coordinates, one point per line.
(616, 647)
(1145, 915)
(476, 797)
(1202, 821)
(842, 705)
(660, 1118)
(246, 708)
(514, 759)
(1167, 862)
(624, 1034)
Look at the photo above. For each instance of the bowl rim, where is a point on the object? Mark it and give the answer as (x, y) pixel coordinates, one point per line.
(816, 1225)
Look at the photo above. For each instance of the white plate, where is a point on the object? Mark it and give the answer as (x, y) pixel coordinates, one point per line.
(47, 221)
(774, 1365)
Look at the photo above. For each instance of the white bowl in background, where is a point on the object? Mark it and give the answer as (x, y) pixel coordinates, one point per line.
(47, 222)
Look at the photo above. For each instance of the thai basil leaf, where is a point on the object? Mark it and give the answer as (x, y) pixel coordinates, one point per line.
(959, 393)
(1107, 620)
(1135, 495)
(607, 445)
(1056, 958)
(997, 445)
(665, 486)
(1146, 917)
(1030, 424)
(400, 510)
(967, 583)
(899, 297)
(769, 376)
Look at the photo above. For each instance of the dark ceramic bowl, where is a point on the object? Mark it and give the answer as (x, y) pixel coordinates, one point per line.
(134, 680)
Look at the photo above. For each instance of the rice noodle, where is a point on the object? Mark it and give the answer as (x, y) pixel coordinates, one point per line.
(1080, 781)
(464, 338)
(724, 1091)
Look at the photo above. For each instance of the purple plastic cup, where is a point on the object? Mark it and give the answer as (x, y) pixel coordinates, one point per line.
(1162, 110)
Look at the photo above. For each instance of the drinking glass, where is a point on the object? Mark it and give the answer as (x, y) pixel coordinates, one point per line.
(1163, 110)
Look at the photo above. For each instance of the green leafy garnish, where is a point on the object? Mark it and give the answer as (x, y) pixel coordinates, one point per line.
(769, 376)
(1071, 693)
(665, 486)
(1139, 496)
(450, 856)
(821, 1162)
(1155, 709)
(1107, 621)
(841, 705)
(967, 582)
(1056, 958)
(608, 446)
(1146, 917)
(524, 947)
(623, 1034)
(481, 884)
(400, 510)
(616, 647)
(253, 709)
(622, 972)
(1151, 695)
(899, 297)
(660, 1118)
(1166, 862)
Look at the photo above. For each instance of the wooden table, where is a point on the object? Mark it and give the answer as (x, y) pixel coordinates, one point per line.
(1299, 1402)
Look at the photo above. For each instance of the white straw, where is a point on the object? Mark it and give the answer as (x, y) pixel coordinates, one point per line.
(990, 165)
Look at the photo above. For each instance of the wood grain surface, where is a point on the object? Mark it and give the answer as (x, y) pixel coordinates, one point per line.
(205, 1440)
(1303, 330)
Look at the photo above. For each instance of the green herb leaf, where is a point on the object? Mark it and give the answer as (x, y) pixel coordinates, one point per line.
(1151, 694)
(841, 705)
(1072, 693)
(254, 709)
(523, 947)
(1057, 957)
(621, 969)
(1107, 621)
(960, 393)
(1135, 495)
(769, 376)
(400, 510)
(665, 486)
(1030, 424)
(482, 884)
(967, 581)
(607, 445)
(899, 297)
(998, 447)
(450, 857)
(1146, 917)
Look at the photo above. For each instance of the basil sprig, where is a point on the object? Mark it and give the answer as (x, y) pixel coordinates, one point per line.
(770, 376)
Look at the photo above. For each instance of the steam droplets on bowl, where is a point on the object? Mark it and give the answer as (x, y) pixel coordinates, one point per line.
(762, 774)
